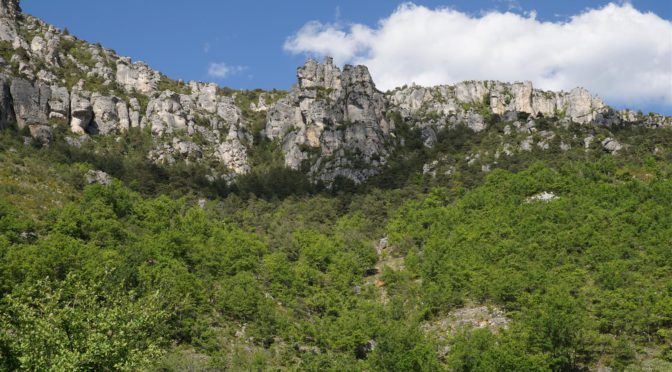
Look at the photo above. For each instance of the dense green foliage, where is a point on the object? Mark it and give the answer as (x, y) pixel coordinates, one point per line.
(276, 272)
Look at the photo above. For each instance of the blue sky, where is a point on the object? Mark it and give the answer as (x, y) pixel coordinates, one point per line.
(247, 39)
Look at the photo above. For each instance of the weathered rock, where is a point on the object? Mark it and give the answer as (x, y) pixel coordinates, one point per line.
(232, 153)
(205, 96)
(9, 8)
(228, 111)
(31, 102)
(110, 115)
(134, 112)
(41, 132)
(169, 153)
(543, 196)
(493, 319)
(314, 74)
(501, 99)
(59, 105)
(136, 76)
(9, 12)
(81, 111)
(99, 177)
(167, 113)
(334, 120)
(611, 145)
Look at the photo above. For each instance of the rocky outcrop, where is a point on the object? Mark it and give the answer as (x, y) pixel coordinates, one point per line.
(98, 177)
(110, 115)
(136, 76)
(169, 112)
(81, 111)
(59, 105)
(31, 102)
(170, 152)
(611, 145)
(332, 122)
(203, 114)
(9, 8)
(499, 98)
(9, 12)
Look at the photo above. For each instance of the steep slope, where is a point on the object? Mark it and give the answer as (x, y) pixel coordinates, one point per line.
(52, 79)
(158, 225)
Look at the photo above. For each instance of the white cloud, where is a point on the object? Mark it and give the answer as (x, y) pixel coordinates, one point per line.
(617, 52)
(223, 70)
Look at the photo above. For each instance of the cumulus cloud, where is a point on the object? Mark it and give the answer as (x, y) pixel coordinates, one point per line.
(617, 52)
(223, 70)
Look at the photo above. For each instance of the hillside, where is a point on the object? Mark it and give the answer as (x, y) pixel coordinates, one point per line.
(154, 224)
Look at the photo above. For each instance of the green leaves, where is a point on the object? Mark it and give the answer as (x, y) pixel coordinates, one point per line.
(80, 324)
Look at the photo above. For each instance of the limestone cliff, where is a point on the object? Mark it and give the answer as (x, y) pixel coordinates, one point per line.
(332, 123)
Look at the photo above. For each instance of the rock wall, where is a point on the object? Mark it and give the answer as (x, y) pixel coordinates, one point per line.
(332, 123)
(578, 104)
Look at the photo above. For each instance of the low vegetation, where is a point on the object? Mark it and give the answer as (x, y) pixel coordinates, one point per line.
(274, 271)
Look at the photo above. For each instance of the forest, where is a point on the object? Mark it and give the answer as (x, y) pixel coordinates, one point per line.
(162, 270)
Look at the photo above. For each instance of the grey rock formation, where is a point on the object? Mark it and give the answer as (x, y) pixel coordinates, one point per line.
(134, 112)
(169, 153)
(611, 145)
(31, 102)
(59, 105)
(499, 98)
(168, 112)
(136, 76)
(81, 111)
(205, 96)
(99, 177)
(234, 155)
(9, 12)
(110, 115)
(41, 132)
(333, 120)
(9, 8)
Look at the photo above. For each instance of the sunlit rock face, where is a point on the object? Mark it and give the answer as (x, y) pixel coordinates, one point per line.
(332, 123)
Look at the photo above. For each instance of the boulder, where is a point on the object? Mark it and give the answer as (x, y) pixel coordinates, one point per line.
(610, 145)
(41, 132)
(98, 177)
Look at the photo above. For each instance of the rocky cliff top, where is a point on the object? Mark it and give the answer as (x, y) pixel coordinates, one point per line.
(333, 122)
(9, 8)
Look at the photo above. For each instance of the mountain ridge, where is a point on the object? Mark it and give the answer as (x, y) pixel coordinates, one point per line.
(333, 123)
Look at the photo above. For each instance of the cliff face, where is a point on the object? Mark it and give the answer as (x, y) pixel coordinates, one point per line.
(332, 123)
